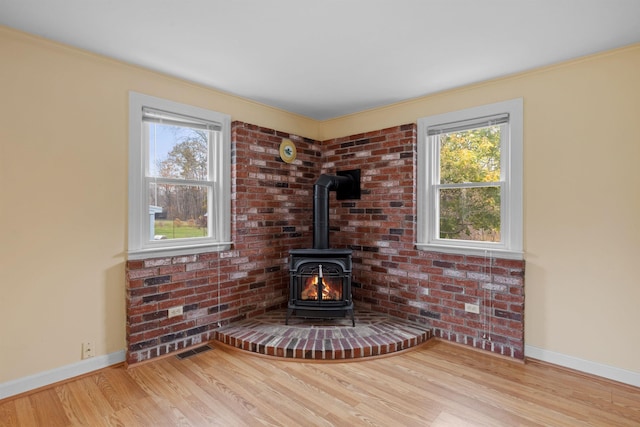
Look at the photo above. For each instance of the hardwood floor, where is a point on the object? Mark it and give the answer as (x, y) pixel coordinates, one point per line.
(437, 384)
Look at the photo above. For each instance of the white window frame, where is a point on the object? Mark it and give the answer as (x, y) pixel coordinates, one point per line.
(511, 180)
(140, 246)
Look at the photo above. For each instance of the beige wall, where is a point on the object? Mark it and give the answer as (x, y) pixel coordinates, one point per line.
(63, 195)
(63, 191)
(581, 198)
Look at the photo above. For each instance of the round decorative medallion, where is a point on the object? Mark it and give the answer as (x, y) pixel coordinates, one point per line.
(287, 150)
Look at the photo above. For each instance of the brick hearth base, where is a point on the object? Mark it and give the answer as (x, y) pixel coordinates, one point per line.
(375, 334)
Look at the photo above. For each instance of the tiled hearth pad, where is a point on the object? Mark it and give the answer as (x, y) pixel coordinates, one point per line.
(375, 334)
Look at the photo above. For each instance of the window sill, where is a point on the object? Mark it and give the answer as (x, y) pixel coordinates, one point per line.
(473, 251)
(178, 250)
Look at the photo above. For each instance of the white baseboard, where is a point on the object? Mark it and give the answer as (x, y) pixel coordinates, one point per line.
(21, 385)
(593, 368)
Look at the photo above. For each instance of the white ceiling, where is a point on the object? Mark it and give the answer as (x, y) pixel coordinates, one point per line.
(327, 58)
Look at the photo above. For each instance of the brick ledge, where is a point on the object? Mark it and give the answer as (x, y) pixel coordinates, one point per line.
(375, 334)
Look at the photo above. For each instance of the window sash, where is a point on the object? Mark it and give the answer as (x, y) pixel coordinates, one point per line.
(143, 110)
(212, 216)
(470, 184)
(214, 138)
(436, 218)
(435, 142)
(152, 115)
(435, 185)
(156, 116)
(462, 125)
(507, 114)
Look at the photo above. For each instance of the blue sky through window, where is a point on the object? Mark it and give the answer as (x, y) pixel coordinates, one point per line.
(162, 139)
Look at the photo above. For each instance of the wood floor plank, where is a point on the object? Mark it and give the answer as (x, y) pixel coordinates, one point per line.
(487, 395)
(426, 397)
(25, 412)
(146, 412)
(92, 412)
(563, 396)
(8, 414)
(72, 407)
(89, 400)
(437, 384)
(166, 391)
(229, 397)
(204, 395)
(48, 409)
(231, 387)
(381, 391)
(196, 397)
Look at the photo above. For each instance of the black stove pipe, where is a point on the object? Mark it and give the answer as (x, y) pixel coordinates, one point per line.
(321, 189)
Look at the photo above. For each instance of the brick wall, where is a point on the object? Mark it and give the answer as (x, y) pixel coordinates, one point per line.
(391, 276)
(271, 213)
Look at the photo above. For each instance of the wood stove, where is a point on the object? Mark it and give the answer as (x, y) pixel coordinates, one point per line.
(320, 278)
(320, 283)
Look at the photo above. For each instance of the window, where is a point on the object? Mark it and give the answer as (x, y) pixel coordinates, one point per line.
(470, 181)
(179, 178)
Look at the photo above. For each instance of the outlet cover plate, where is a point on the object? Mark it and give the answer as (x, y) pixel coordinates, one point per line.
(175, 311)
(88, 349)
(472, 308)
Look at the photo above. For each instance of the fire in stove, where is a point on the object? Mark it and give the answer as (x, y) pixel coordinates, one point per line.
(320, 283)
(318, 287)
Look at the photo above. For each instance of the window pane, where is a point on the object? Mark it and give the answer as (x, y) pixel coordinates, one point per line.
(178, 152)
(470, 213)
(178, 211)
(470, 156)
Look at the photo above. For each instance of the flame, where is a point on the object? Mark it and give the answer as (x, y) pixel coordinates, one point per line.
(331, 289)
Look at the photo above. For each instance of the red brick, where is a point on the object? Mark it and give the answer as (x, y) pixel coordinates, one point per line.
(135, 265)
(142, 273)
(142, 309)
(171, 269)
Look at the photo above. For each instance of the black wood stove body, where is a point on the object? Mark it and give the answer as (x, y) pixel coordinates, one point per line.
(320, 283)
(320, 277)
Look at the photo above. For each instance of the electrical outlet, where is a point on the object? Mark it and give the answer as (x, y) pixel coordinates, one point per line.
(175, 311)
(472, 308)
(88, 349)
